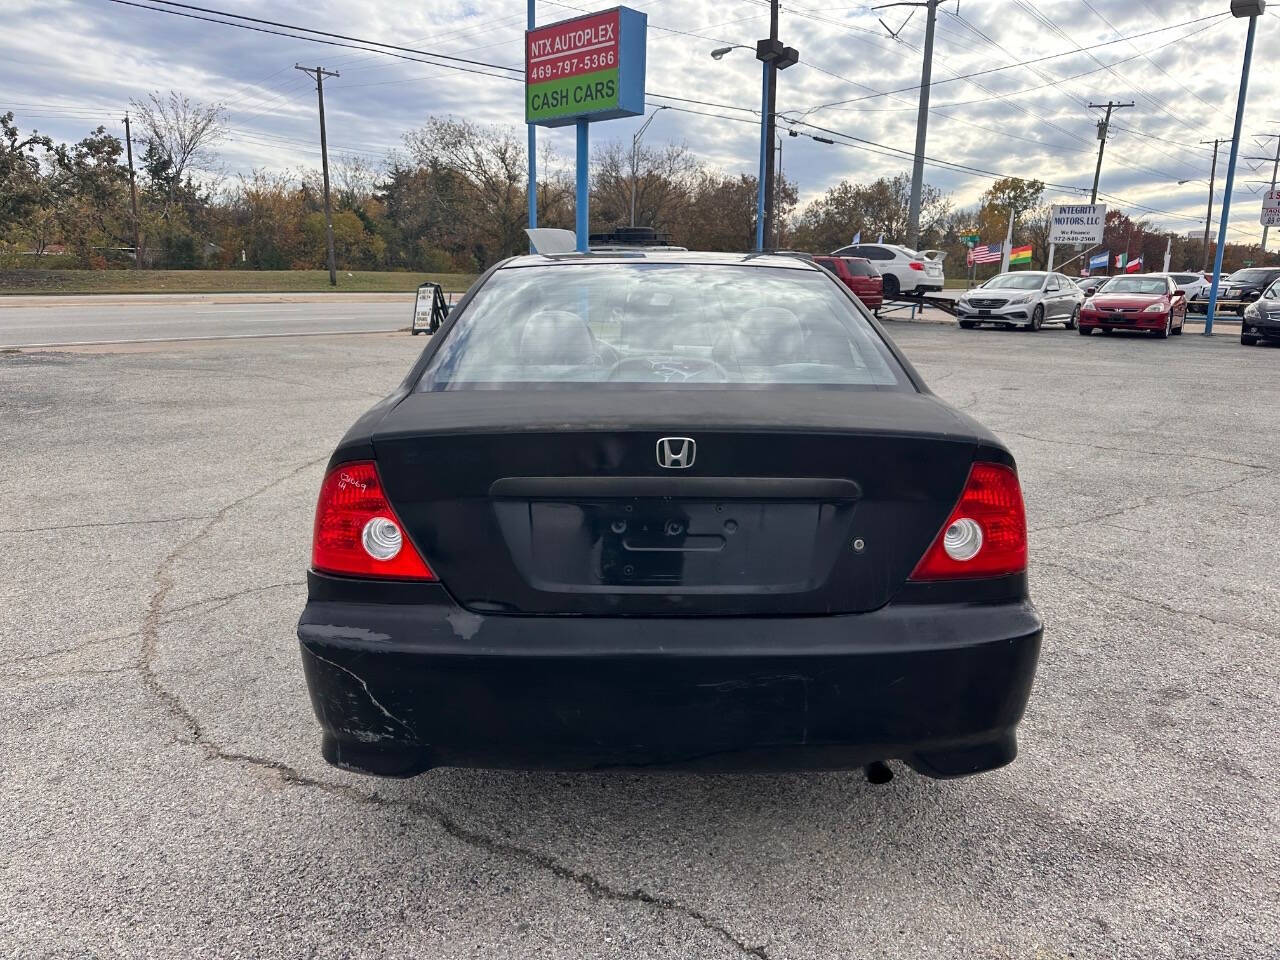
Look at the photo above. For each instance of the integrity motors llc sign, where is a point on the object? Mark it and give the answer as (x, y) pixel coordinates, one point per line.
(1077, 223)
(587, 68)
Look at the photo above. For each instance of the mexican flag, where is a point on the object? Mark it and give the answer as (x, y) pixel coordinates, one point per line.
(1121, 260)
(1020, 255)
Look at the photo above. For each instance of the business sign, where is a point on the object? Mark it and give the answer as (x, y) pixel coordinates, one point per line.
(587, 68)
(1271, 208)
(1077, 223)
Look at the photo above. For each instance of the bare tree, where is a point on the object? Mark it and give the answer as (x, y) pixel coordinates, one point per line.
(478, 181)
(664, 180)
(356, 180)
(180, 137)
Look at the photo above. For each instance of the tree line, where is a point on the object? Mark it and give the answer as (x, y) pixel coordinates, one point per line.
(451, 199)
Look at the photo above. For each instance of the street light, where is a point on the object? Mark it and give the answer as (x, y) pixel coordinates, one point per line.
(635, 144)
(719, 52)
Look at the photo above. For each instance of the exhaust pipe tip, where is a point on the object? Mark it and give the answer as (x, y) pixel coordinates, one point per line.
(878, 772)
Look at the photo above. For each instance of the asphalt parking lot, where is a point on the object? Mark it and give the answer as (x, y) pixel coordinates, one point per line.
(162, 793)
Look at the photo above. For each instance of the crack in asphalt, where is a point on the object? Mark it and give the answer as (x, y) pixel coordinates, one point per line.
(1147, 453)
(107, 523)
(65, 674)
(198, 737)
(74, 648)
(1156, 498)
(1159, 604)
(225, 599)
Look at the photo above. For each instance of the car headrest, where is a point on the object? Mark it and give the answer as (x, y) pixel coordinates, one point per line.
(556, 338)
(766, 335)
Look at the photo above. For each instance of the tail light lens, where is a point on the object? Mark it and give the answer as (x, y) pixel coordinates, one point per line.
(986, 534)
(916, 266)
(357, 534)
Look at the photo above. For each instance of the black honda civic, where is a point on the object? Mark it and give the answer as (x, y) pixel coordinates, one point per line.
(667, 510)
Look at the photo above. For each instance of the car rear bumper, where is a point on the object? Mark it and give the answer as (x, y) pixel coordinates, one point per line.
(400, 688)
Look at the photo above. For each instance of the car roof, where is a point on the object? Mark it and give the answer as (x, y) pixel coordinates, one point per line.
(701, 258)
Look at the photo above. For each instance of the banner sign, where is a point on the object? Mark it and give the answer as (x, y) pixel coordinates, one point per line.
(587, 68)
(1077, 223)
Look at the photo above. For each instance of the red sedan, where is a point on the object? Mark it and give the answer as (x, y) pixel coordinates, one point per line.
(1139, 302)
(858, 275)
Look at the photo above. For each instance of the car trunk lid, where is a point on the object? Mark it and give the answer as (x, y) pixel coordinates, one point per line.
(805, 501)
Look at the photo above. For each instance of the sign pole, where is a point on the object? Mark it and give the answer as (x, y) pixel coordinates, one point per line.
(1049, 268)
(584, 185)
(533, 154)
(1231, 178)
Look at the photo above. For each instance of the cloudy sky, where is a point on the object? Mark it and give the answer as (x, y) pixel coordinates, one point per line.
(69, 65)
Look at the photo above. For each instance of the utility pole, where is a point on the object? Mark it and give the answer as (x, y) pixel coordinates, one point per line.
(133, 195)
(319, 73)
(775, 57)
(770, 209)
(1240, 9)
(1208, 218)
(1103, 128)
(635, 159)
(1275, 168)
(922, 118)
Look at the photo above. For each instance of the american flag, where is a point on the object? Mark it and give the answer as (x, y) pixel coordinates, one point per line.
(991, 253)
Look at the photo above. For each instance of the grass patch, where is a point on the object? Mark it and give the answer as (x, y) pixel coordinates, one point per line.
(221, 281)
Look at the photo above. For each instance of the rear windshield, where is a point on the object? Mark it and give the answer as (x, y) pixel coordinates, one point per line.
(664, 325)
(860, 268)
(1151, 285)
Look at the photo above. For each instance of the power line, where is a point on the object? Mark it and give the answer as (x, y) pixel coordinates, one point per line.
(1024, 63)
(331, 43)
(339, 36)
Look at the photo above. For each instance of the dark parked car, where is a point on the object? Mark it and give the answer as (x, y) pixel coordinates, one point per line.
(1262, 318)
(1091, 285)
(1136, 302)
(1238, 290)
(859, 276)
(667, 510)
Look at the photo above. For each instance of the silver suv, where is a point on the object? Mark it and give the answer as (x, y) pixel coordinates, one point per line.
(1026, 298)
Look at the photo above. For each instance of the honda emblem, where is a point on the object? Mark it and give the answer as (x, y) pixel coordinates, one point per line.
(676, 453)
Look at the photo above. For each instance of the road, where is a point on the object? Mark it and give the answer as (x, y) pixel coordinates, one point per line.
(162, 792)
(61, 320)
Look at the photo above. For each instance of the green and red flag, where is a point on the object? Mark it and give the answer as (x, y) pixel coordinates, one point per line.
(1020, 255)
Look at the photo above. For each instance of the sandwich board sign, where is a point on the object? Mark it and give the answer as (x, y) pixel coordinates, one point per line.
(587, 68)
(429, 309)
(1080, 223)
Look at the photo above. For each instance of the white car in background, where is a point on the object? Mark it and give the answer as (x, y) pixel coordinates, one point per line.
(904, 270)
(1191, 283)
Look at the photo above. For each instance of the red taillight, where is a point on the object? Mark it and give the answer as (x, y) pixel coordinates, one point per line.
(916, 266)
(357, 534)
(986, 534)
